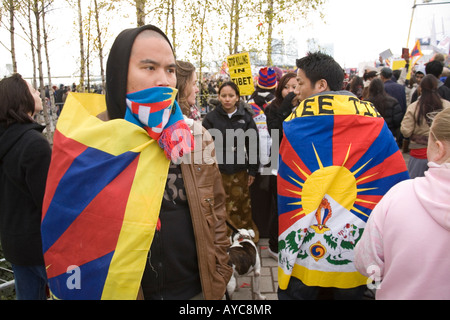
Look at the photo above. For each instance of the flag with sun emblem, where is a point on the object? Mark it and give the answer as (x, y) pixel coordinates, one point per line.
(337, 160)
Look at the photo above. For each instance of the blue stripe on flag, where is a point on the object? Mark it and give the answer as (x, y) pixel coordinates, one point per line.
(89, 173)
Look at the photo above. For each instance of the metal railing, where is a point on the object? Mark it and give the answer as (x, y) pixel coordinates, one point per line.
(5, 283)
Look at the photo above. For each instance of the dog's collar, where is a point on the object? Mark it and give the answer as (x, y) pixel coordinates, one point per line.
(242, 238)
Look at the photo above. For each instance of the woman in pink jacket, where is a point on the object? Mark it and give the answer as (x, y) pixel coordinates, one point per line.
(405, 247)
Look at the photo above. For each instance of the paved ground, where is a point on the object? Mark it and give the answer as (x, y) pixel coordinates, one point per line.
(269, 272)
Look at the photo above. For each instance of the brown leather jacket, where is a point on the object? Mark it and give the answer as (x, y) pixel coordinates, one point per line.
(206, 198)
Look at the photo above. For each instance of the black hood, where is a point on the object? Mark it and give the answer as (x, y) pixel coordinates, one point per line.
(9, 136)
(117, 70)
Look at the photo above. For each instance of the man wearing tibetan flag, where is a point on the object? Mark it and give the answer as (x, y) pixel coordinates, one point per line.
(123, 184)
(337, 160)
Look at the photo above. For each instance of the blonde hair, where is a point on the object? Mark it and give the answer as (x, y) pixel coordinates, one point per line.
(440, 128)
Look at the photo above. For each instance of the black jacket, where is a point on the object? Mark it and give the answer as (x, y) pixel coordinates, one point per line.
(391, 112)
(24, 161)
(218, 119)
(397, 91)
(276, 115)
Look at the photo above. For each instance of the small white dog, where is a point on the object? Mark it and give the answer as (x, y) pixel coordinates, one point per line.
(244, 259)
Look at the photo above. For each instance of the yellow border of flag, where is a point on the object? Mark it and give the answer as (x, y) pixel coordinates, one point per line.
(79, 122)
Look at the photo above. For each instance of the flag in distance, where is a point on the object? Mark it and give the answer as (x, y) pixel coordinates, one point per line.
(415, 56)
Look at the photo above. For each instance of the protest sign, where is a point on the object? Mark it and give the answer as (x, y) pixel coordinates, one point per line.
(241, 73)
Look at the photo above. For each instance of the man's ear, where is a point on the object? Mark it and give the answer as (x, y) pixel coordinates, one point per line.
(322, 85)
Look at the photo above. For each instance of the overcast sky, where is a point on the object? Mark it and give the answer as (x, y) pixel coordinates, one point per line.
(361, 29)
(358, 29)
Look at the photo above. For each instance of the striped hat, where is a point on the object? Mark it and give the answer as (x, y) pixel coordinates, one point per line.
(267, 78)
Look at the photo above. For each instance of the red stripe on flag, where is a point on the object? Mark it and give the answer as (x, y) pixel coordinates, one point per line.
(348, 133)
(367, 201)
(284, 188)
(292, 160)
(154, 106)
(106, 212)
(286, 220)
(390, 166)
(65, 151)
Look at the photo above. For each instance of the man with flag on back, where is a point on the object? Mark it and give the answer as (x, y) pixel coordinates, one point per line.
(337, 160)
(131, 207)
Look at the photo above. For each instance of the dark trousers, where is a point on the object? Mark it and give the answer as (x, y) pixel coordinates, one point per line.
(297, 290)
(273, 220)
(30, 282)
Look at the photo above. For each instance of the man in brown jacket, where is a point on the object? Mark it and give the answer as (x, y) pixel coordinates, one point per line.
(188, 256)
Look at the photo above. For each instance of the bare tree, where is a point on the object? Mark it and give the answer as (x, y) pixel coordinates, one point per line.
(37, 14)
(172, 11)
(82, 56)
(200, 9)
(274, 13)
(9, 6)
(24, 12)
(45, 7)
(99, 43)
(140, 12)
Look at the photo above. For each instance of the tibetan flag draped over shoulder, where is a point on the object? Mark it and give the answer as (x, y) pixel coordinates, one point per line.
(102, 201)
(337, 159)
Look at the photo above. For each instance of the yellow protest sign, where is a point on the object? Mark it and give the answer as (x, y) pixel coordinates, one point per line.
(241, 73)
(398, 64)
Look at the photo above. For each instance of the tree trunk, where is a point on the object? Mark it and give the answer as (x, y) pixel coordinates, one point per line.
(236, 26)
(231, 46)
(50, 85)
(100, 46)
(82, 58)
(269, 16)
(12, 33)
(48, 131)
(200, 71)
(166, 31)
(140, 12)
(88, 51)
(33, 55)
(173, 27)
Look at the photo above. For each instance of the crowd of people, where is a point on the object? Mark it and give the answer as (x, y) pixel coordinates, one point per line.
(190, 205)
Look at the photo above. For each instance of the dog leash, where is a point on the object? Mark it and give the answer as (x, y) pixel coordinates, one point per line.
(230, 225)
(235, 230)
